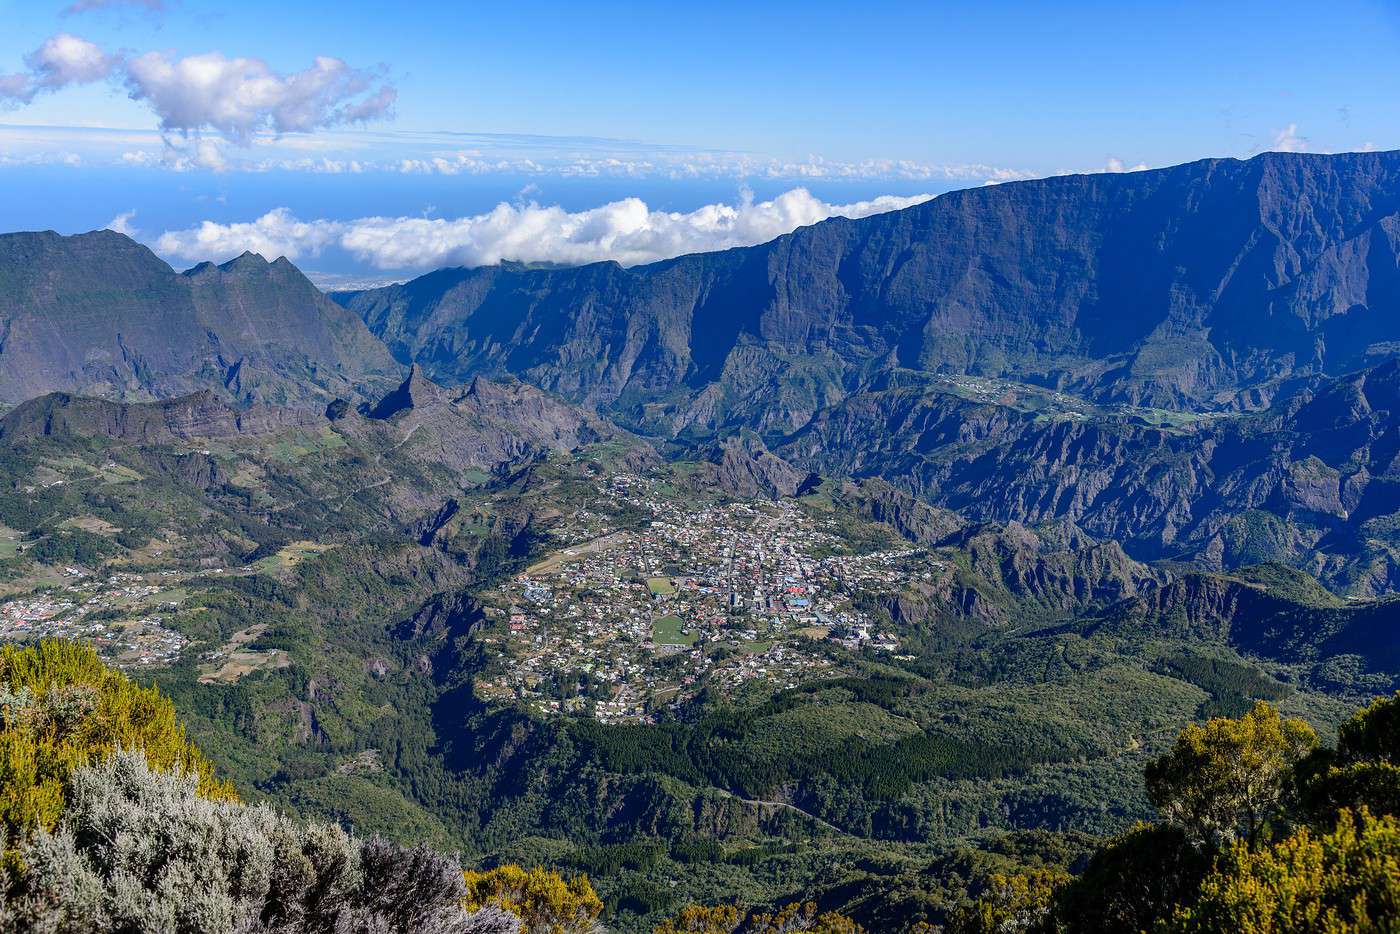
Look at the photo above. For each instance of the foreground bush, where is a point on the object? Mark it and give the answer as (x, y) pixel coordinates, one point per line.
(1364, 769)
(137, 850)
(1134, 882)
(61, 708)
(1346, 881)
(545, 902)
(1227, 856)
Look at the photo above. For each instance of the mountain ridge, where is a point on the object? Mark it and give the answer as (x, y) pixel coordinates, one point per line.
(99, 314)
(1186, 287)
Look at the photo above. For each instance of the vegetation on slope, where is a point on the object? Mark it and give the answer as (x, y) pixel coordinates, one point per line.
(1262, 833)
(115, 822)
(63, 709)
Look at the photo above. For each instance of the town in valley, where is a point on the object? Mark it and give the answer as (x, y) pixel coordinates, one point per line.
(730, 596)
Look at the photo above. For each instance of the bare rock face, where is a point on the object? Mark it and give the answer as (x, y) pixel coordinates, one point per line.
(415, 393)
(98, 314)
(192, 417)
(743, 467)
(1198, 286)
(445, 616)
(487, 426)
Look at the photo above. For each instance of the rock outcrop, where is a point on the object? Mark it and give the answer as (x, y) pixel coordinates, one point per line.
(98, 314)
(200, 415)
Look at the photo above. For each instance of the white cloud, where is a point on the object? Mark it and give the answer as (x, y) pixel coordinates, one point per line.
(1288, 140)
(62, 60)
(627, 231)
(122, 223)
(41, 158)
(203, 154)
(276, 233)
(66, 59)
(1115, 165)
(699, 165)
(235, 97)
(241, 96)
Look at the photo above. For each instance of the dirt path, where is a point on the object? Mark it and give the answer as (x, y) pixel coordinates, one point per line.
(783, 805)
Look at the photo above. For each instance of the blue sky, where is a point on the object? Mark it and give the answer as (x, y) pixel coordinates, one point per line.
(469, 107)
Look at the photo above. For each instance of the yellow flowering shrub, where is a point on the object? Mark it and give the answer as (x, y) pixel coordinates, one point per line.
(546, 902)
(730, 919)
(1345, 881)
(61, 708)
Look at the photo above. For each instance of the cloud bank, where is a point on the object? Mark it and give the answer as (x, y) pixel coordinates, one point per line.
(235, 97)
(240, 96)
(627, 231)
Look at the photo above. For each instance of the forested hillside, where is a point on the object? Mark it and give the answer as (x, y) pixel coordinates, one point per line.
(114, 822)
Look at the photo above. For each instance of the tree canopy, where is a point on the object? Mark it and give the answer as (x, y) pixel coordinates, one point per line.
(1225, 780)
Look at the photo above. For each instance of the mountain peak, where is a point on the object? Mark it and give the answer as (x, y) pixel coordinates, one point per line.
(131, 326)
(415, 392)
(245, 260)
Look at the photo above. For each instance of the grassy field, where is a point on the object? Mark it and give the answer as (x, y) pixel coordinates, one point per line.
(9, 543)
(234, 660)
(301, 444)
(667, 631)
(90, 524)
(475, 477)
(661, 586)
(289, 556)
(118, 473)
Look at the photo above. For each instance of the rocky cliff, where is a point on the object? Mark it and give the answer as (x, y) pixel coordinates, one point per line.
(99, 314)
(1194, 287)
(188, 418)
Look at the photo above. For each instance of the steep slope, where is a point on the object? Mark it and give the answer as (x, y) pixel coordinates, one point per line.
(99, 314)
(1195, 286)
(1265, 611)
(199, 415)
(1310, 481)
(484, 427)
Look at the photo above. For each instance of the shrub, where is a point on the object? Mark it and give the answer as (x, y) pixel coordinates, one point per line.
(61, 709)
(1226, 780)
(1363, 771)
(1021, 902)
(1343, 881)
(730, 919)
(545, 901)
(1135, 881)
(141, 850)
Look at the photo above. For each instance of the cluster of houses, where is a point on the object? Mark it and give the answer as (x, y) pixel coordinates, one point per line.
(117, 613)
(724, 596)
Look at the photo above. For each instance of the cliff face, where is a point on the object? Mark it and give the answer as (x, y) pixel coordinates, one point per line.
(99, 314)
(485, 426)
(1194, 286)
(1309, 481)
(199, 415)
